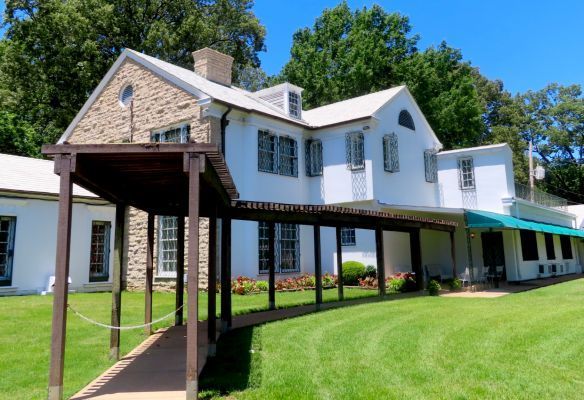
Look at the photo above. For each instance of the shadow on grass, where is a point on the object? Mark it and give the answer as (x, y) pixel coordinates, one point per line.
(236, 365)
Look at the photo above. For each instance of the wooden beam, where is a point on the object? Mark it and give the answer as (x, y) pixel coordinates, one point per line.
(225, 274)
(129, 148)
(317, 266)
(192, 366)
(453, 254)
(272, 265)
(149, 274)
(212, 287)
(380, 260)
(339, 262)
(59, 326)
(117, 281)
(180, 271)
(416, 258)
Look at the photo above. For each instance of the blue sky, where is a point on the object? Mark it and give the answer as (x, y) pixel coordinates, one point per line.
(525, 43)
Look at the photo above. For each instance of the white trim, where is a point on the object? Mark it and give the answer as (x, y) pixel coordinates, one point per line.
(479, 149)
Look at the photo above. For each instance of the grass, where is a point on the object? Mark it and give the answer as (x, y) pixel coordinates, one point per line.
(25, 329)
(521, 346)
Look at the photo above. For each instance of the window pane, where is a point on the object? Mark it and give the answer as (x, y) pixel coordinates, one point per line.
(267, 152)
(263, 247)
(98, 258)
(180, 134)
(431, 166)
(288, 156)
(348, 237)
(313, 157)
(390, 153)
(549, 246)
(7, 228)
(289, 247)
(529, 245)
(167, 245)
(466, 173)
(355, 150)
(566, 245)
(294, 106)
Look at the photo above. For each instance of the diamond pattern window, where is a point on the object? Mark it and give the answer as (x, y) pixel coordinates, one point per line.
(390, 153)
(288, 149)
(431, 166)
(287, 248)
(267, 152)
(313, 157)
(7, 230)
(405, 119)
(100, 249)
(355, 151)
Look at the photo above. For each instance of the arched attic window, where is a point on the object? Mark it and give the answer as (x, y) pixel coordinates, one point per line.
(405, 119)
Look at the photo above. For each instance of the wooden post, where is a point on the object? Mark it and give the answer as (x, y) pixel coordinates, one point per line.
(416, 254)
(339, 263)
(192, 375)
(272, 265)
(225, 274)
(380, 260)
(317, 266)
(149, 274)
(64, 166)
(180, 271)
(212, 286)
(117, 281)
(453, 254)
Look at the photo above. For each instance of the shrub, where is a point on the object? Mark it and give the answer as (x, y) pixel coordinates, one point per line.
(368, 282)
(371, 271)
(433, 288)
(352, 271)
(455, 284)
(329, 280)
(262, 286)
(396, 285)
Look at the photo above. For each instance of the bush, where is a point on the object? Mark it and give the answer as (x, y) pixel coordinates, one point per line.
(370, 272)
(262, 286)
(433, 288)
(455, 284)
(396, 285)
(352, 271)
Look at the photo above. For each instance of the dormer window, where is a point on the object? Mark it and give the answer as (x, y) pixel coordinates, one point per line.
(294, 105)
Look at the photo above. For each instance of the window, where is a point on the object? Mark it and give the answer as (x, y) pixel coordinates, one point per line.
(390, 153)
(549, 246)
(566, 244)
(348, 237)
(288, 156)
(355, 149)
(267, 152)
(167, 246)
(405, 119)
(7, 230)
(529, 245)
(100, 248)
(294, 104)
(287, 248)
(431, 166)
(180, 134)
(126, 95)
(466, 179)
(313, 157)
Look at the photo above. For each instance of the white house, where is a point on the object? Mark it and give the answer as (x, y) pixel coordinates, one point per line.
(374, 152)
(29, 192)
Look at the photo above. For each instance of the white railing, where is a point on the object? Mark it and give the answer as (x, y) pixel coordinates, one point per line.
(540, 197)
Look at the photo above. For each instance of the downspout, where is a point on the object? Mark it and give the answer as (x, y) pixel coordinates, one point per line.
(224, 123)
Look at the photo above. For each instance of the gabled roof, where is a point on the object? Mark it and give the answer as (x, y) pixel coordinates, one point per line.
(351, 109)
(32, 175)
(207, 91)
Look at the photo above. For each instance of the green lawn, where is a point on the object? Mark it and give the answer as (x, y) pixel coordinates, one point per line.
(523, 346)
(25, 328)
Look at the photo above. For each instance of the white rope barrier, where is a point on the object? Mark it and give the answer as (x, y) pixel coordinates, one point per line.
(121, 328)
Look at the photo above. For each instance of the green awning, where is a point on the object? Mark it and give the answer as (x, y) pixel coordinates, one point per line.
(485, 219)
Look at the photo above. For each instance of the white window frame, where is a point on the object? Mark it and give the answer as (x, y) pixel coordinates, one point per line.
(390, 153)
(7, 249)
(355, 150)
(348, 237)
(267, 150)
(167, 246)
(314, 164)
(99, 252)
(175, 134)
(282, 246)
(466, 174)
(294, 104)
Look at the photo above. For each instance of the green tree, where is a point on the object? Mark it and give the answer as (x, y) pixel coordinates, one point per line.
(55, 52)
(348, 53)
(17, 136)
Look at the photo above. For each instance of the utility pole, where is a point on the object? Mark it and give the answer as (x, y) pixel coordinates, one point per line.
(531, 172)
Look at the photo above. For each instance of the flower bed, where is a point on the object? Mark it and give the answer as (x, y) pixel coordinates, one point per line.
(398, 283)
(244, 285)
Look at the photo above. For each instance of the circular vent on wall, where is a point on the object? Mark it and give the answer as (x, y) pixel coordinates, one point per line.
(126, 95)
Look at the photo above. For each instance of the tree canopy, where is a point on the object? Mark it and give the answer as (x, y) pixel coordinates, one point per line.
(55, 52)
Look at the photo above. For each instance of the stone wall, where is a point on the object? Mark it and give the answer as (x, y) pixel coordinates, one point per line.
(157, 104)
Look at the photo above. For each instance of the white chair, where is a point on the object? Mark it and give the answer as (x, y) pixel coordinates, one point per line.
(499, 271)
(465, 277)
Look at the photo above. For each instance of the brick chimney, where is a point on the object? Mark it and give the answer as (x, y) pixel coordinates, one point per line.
(213, 65)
